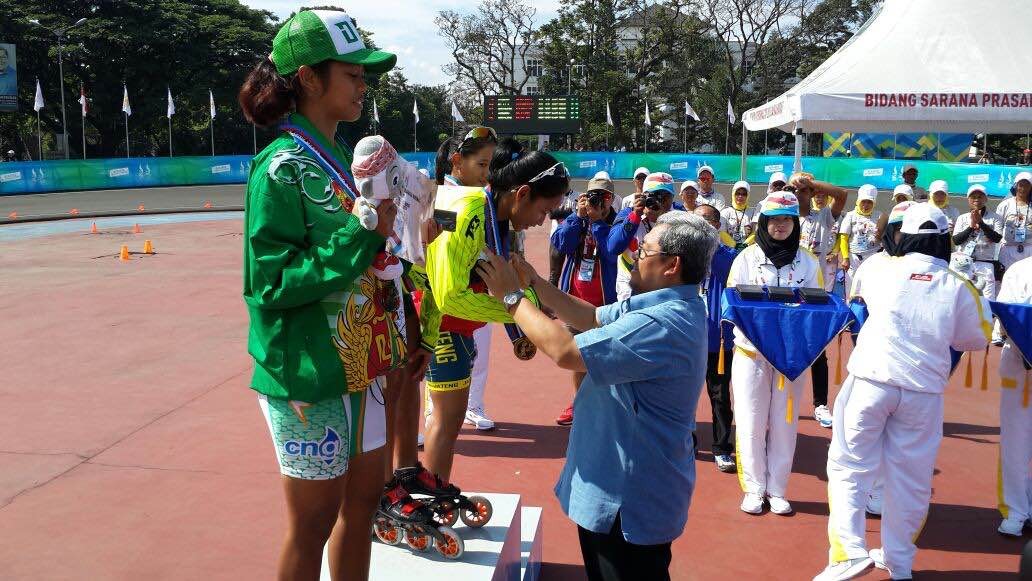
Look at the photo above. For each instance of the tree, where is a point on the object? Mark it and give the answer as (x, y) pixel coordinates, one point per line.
(489, 46)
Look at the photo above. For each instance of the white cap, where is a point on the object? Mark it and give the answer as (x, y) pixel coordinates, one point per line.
(741, 184)
(975, 188)
(705, 168)
(689, 184)
(918, 214)
(938, 186)
(602, 175)
(903, 189)
(640, 171)
(909, 167)
(778, 176)
(867, 192)
(1027, 176)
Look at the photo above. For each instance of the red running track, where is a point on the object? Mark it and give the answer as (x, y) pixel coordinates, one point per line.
(132, 448)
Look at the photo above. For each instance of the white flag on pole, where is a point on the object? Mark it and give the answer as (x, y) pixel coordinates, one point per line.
(415, 109)
(648, 118)
(456, 114)
(376, 112)
(38, 104)
(211, 103)
(688, 111)
(83, 101)
(730, 113)
(171, 105)
(609, 116)
(125, 101)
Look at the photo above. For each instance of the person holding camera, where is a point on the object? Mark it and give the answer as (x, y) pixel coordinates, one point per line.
(639, 186)
(589, 271)
(633, 223)
(738, 218)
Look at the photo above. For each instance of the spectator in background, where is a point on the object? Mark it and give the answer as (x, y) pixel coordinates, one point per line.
(11, 156)
(817, 236)
(590, 269)
(976, 237)
(910, 179)
(1026, 157)
(940, 198)
(902, 193)
(738, 218)
(690, 195)
(639, 183)
(556, 259)
(632, 224)
(718, 381)
(707, 195)
(1014, 213)
(777, 182)
(860, 232)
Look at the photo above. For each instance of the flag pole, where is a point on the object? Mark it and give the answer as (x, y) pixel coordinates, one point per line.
(39, 136)
(685, 132)
(170, 136)
(84, 136)
(211, 127)
(126, 135)
(727, 135)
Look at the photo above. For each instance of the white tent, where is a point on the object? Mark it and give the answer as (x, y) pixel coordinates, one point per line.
(918, 65)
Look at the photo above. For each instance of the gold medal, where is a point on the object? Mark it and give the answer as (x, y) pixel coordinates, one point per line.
(524, 349)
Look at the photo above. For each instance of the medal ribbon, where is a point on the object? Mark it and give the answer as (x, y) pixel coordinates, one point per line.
(500, 247)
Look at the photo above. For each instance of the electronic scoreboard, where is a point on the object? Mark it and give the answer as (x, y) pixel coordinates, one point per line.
(532, 114)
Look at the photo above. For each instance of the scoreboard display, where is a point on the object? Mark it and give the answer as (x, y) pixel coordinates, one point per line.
(532, 114)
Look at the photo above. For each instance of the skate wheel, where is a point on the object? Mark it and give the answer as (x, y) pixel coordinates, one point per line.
(452, 546)
(446, 514)
(417, 541)
(386, 533)
(477, 515)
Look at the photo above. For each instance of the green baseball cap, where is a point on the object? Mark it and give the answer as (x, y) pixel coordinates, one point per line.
(313, 36)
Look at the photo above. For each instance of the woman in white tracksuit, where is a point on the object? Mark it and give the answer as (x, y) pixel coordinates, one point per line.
(1015, 486)
(766, 404)
(860, 232)
(889, 413)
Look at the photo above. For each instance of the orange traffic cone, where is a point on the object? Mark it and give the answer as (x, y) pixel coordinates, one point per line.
(208, 204)
(148, 248)
(140, 208)
(74, 211)
(13, 215)
(124, 254)
(137, 229)
(93, 228)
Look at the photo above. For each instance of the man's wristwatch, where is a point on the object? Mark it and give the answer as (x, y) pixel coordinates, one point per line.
(513, 299)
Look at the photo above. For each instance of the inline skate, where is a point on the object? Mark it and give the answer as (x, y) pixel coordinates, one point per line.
(401, 517)
(445, 500)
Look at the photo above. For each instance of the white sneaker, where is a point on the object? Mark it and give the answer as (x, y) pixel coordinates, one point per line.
(874, 503)
(477, 418)
(823, 416)
(752, 503)
(844, 569)
(1011, 527)
(878, 556)
(779, 505)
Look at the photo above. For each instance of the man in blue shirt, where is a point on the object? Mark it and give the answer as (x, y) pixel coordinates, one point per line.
(8, 76)
(630, 465)
(718, 378)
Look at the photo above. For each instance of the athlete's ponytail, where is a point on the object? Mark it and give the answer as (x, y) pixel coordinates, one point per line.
(266, 96)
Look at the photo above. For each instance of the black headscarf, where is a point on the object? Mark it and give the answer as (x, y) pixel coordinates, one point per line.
(888, 238)
(779, 252)
(934, 245)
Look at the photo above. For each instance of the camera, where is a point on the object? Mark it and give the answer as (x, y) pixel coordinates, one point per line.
(596, 198)
(654, 200)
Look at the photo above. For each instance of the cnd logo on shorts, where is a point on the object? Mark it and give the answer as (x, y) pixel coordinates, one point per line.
(325, 449)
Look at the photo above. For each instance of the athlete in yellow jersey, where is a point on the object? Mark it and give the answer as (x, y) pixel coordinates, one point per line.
(523, 190)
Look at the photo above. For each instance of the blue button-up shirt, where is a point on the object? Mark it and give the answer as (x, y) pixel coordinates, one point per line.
(630, 449)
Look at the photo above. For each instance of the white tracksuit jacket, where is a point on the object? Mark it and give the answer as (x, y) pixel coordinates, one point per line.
(888, 415)
(764, 402)
(1015, 486)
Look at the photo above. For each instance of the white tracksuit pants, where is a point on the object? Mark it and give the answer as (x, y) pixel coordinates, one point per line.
(766, 420)
(829, 270)
(478, 383)
(983, 276)
(1015, 486)
(895, 433)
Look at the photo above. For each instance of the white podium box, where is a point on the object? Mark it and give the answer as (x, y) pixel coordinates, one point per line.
(530, 551)
(492, 553)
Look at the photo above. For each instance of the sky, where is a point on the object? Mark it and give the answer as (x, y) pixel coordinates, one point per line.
(404, 27)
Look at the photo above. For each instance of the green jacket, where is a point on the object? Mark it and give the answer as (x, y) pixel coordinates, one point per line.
(305, 255)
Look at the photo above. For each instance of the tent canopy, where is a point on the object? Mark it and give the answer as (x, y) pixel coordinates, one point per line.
(918, 65)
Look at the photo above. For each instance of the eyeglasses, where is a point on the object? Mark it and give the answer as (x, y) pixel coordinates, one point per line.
(645, 253)
(558, 170)
(480, 132)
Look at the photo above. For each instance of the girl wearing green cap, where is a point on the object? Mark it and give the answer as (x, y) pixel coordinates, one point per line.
(323, 331)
